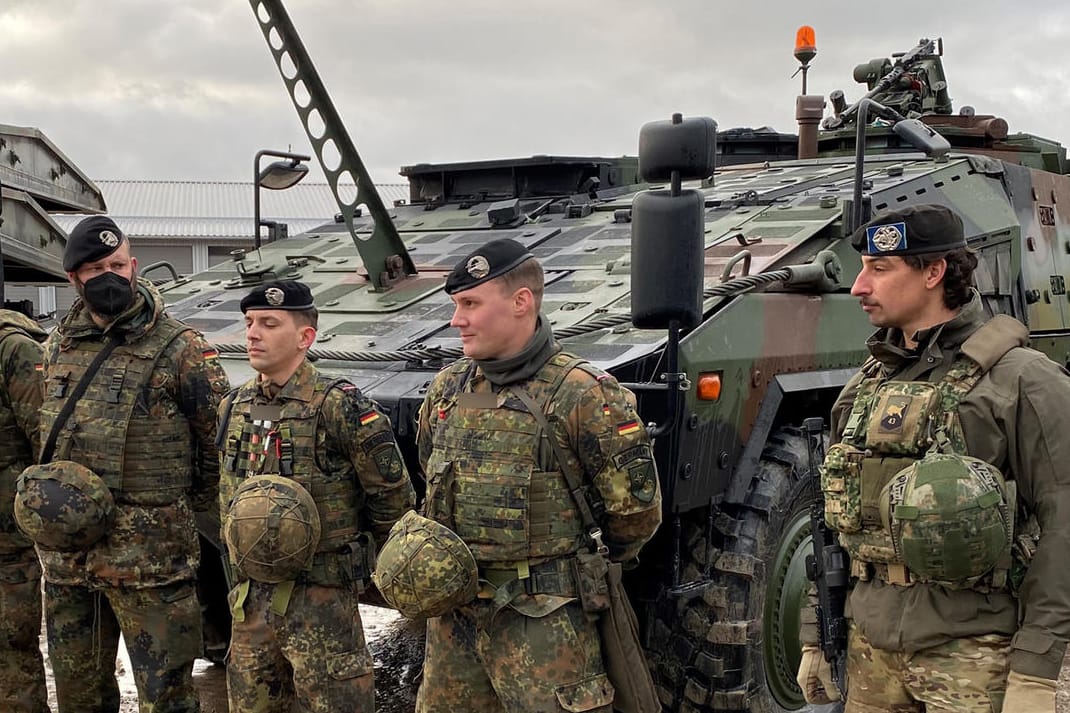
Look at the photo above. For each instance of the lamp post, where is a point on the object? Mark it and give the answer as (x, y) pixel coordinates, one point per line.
(277, 176)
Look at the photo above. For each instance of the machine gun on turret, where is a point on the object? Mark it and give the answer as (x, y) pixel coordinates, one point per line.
(912, 86)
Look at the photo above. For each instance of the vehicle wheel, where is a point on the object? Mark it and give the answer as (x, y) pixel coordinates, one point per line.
(733, 645)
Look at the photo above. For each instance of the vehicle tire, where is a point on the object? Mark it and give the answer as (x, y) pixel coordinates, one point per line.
(733, 644)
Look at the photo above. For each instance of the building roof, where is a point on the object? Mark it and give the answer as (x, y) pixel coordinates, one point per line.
(218, 209)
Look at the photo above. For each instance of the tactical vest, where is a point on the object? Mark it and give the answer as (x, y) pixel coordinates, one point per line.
(126, 427)
(892, 424)
(287, 447)
(15, 454)
(483, 481)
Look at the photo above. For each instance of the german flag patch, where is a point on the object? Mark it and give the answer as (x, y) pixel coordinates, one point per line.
(605, 409)
(210, 353)
(38, 367)
(628, 427)
(369, 417)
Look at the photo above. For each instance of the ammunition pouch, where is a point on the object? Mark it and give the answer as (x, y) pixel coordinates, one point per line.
(903, 418)
(592, 577)
(841, 482)
(350, 566)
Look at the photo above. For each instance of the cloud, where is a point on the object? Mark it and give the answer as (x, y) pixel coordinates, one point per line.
(130, 89)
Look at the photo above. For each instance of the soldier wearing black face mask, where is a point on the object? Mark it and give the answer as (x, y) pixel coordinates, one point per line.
(131, 394)
(99, 265)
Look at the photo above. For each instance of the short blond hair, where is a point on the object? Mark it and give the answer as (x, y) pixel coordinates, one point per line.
(527, 274)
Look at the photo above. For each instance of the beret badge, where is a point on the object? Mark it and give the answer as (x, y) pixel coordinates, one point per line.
(274, 296)
(109, 238)
(478, 267)
(889, 237)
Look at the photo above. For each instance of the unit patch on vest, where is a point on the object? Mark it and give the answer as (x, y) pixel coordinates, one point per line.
(639, 463)
(895, 409)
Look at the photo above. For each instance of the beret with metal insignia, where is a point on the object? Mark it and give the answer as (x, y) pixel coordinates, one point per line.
(914, 230)
(93, 238)
(493, 259)
(284, 294)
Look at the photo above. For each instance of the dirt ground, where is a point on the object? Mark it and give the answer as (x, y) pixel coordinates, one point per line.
(397, 651)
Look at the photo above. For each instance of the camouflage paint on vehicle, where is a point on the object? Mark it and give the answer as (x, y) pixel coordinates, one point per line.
(719, 589)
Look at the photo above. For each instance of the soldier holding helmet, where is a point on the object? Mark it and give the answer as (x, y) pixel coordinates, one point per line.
(948, 484)
(128, 455)
(308, 465)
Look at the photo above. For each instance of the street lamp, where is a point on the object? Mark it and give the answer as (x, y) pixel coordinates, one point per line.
(277, 176)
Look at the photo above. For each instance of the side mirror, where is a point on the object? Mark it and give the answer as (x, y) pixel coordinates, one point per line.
(688, 146)
(668, 237)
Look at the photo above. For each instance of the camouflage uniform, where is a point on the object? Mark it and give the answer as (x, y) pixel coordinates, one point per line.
(527, 643)
(302, 641)
(146, 425)
(916, 643)
(22, 673)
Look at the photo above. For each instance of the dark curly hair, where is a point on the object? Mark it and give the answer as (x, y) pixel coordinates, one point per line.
(958, 278)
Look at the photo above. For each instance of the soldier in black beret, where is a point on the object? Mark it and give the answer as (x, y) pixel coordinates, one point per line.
(303, 429)
(478, 428)
(946, 382)
(914, 230)
(485, 263)
(93, 238)
(99, 265)
(132, 395)
(288, 295)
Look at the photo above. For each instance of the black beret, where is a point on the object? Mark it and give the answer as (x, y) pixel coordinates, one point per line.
(93, 238)
(492, 260)
(284, 294)
(913, 230)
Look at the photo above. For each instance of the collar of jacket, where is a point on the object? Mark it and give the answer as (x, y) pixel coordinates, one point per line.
(886, 345)
(301, 386)
(134, 323)
(17, 320)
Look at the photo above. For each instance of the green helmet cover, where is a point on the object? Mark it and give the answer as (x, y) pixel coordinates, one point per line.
(424, 568)
(272, 528)
(948, 517)
(63, 506)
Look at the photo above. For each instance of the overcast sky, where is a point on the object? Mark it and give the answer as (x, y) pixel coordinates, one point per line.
(139, 89)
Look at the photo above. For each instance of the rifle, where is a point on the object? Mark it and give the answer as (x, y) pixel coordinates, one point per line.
(904, 63)
(827, 567)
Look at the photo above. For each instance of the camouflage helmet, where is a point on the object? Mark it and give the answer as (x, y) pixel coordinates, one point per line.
(63, 506)
(272, 528)
(424, 569)
(948, 517)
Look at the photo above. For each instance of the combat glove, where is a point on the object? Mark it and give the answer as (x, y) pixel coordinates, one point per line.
(1028, 694)
(815, 677)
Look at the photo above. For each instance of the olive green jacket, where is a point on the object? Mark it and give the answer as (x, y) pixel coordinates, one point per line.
(1017, 418)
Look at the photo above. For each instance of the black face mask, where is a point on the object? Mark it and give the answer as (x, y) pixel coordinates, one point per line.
(108, 295)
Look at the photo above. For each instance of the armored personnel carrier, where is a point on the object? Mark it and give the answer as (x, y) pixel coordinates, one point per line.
(739, 343)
